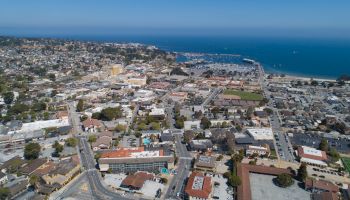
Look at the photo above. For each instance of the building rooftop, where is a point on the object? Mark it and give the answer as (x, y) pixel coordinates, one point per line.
(198, 186)
(311, 153)
(138, 152)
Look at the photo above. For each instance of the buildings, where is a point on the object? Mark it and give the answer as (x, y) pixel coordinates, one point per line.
(91, 125)
(205, 163)
(318, 186)
(63, 172)
(263, 150)
(261, 133)
(312, 156)
(136, 181)
(178, 96)
(192, 125)
(135, 159)
(198, 187)
(201, 145)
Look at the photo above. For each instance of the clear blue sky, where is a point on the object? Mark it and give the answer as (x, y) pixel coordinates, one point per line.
(226, 17)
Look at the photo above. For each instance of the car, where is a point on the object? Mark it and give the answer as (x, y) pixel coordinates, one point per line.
(178, 194)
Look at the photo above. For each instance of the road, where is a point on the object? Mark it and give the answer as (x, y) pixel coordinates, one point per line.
(98, 190)
(211, 96)
(177, 184)
(134, 113)
(74, 118)
(283, 146)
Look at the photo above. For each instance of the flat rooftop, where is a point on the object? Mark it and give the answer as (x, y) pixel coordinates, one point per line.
(262, 187)
(137, 152)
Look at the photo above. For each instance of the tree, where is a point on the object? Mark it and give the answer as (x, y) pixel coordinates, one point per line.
(333, 153)
(219, 158)
(8, 97)
(314, 83)
(4, 193)
(32, 151)
(92, 138)
(302, 172)
(323, 145)
(164, 180)
(80, 105)
(142, 126)
(58, 149)
(52, 77)
(215, 111)
(120, 128)
(234, 180)
(179, 123)
(155, 125)
(71, 142)
(284, 180)
(205, 122)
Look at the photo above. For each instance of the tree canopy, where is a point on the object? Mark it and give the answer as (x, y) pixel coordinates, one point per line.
(32, 151)
(284, 180)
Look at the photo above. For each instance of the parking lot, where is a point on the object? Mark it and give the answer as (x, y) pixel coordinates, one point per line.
(313, 140)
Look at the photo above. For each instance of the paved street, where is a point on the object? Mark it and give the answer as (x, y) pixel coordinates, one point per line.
(177, 184)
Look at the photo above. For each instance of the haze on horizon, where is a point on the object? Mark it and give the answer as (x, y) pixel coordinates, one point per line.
(158, 17)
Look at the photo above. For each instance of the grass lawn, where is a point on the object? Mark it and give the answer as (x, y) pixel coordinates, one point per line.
(244, 95)
(346, 162)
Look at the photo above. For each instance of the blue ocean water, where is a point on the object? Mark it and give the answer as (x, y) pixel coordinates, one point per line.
(318, 58)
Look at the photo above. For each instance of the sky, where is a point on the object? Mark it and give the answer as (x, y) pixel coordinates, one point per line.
(203, 17)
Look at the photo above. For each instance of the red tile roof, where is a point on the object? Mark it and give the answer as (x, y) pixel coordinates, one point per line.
(320, 185)
(204, 190)
(243, 170)
(302, 154)
(91, 122)
(137, 180)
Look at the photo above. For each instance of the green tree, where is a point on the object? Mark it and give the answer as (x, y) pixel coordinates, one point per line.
(92, 138)
(142, 126)
(8, 97)
(302, 172)
(284, 180)
(120, 128)
(333, 153)
(80, 105)
(32, 151)
(323, 145)
(4, 193)
(234, 180)
(215, 111)
(58, 148)
(205, 122)
(71, 142)
(164, 180)
(155, 126)
(52, 77)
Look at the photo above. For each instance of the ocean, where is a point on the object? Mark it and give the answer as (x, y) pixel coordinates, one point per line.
(316, 58)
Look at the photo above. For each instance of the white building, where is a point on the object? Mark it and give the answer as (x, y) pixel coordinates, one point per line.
(260, 150)
(190, 125)
(261, 133)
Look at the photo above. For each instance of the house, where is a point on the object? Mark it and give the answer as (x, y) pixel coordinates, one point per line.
(30, 167)
(64, 171)
(91, 125)
(136, 181)
(198, 186)
(102, 142)
(157, 113)
(201, 145)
